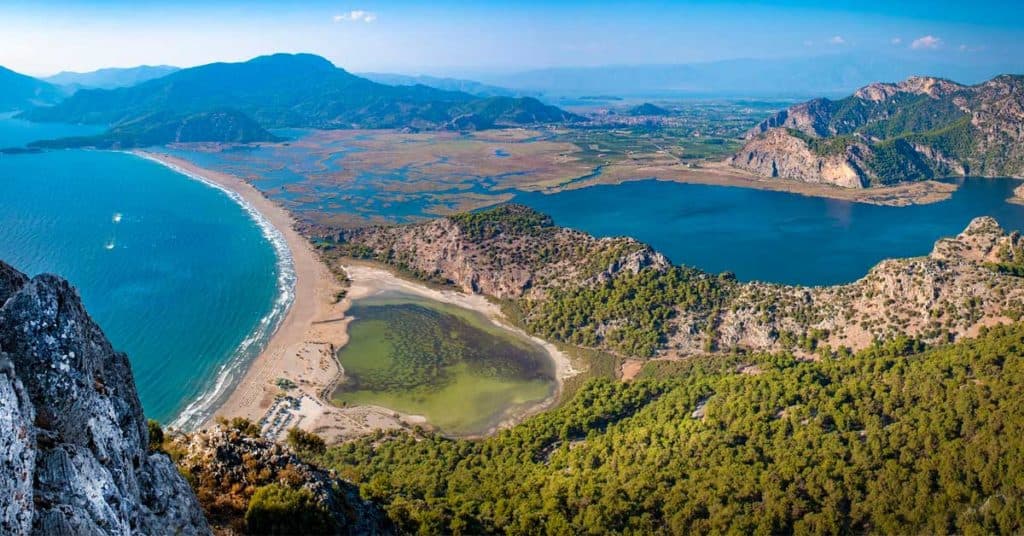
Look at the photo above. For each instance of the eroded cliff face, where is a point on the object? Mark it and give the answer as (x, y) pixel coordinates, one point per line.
(920, 128)
(778, 154)
(507, 259)
(73, 439)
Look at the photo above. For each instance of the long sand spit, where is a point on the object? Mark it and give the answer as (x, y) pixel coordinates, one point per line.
(302, 349)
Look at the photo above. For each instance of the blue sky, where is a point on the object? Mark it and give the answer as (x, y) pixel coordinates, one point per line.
(443, 37)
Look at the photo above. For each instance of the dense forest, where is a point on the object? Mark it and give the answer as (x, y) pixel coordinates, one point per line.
(898, 438)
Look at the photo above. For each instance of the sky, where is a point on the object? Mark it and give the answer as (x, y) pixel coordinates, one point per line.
(43, 37)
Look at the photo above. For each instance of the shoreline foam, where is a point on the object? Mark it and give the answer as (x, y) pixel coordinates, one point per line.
(202, 408)
(303, 346)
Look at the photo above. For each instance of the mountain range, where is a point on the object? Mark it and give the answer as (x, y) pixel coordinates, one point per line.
(448, 84)
(18, 91)
(286, 90)
(917, 129)
(825, 75)
(109, 78)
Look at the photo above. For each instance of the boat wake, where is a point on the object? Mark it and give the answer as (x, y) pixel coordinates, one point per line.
(232, 371)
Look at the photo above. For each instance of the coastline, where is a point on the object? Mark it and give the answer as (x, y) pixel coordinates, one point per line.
(1018, 196)
(302, 348)
(201, 409)
(720, 174)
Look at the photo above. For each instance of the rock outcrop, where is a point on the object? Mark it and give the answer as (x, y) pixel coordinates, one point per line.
(950, 293)
(780, 154)
(507, 252)
(73, 439)
(227, 466)
(884, 133)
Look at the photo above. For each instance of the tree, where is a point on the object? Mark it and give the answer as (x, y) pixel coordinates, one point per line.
(279, 509)
(305, 442)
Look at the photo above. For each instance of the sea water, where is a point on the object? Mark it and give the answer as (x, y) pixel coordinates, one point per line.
(178, 274)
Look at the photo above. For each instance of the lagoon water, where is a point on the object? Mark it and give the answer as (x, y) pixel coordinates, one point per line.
(176, 273)
(448, 364)
(774, 236)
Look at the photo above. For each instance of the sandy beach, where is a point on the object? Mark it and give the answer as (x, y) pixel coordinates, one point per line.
(299, 359)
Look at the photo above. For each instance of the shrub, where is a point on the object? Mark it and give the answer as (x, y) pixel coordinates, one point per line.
(278, 509)
(305, 442)
(156, 435)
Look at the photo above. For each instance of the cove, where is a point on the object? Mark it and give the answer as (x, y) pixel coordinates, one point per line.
(771, 236)
(451, 365)
(176, 273)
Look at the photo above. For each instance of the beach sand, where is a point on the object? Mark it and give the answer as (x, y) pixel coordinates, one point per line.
(302, 350)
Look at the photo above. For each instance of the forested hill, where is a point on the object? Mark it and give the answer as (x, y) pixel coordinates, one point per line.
(300, 90)
(215, 126)
(892, 441)
(917, 129)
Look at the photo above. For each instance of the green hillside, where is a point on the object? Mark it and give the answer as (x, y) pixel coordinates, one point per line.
(895, 440)
(301, 90)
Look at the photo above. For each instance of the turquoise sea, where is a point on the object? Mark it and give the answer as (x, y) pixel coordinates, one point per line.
(179, 275)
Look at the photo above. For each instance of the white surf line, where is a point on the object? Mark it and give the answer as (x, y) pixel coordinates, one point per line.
(232, 370)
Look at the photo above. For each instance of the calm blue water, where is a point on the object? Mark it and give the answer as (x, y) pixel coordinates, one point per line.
(756, 234)
(773, 236)
(176, 273)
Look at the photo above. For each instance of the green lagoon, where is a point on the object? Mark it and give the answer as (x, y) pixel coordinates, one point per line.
(454, 366)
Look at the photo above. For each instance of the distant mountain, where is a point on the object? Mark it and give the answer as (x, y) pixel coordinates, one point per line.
(301, 90)
(646, 109)
(921, 128)
(448, 84)
(828, 75)
(18, 91)
(110, 78)
(158, 129)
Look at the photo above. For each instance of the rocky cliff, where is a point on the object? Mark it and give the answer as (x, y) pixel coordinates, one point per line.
(507, 252)
(73, 439)
(917, 129)
(777, 153)
(228, 464)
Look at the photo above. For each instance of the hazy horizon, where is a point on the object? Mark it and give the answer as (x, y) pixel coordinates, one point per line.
(456, 38)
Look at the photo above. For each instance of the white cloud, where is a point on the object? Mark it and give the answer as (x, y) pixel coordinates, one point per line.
(926, 42)
(896, 40)
(837, 40)
(356, 15)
